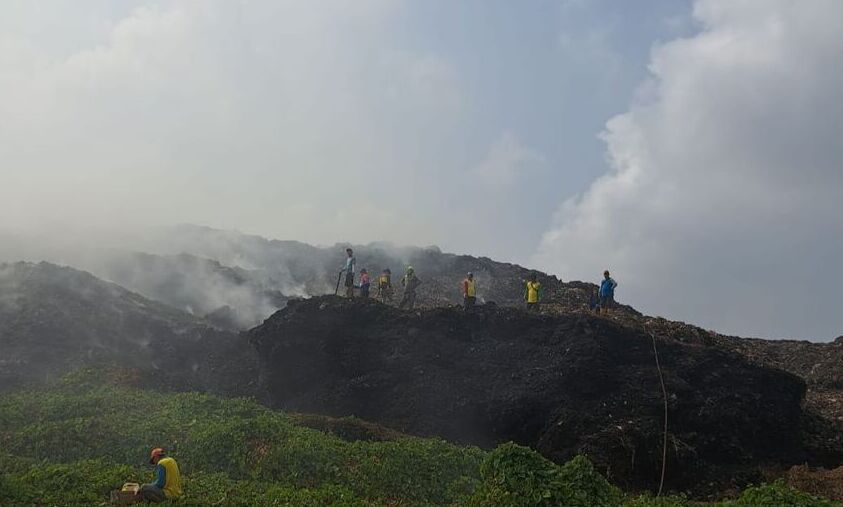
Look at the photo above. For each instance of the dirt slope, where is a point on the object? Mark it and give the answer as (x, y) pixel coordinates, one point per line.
(564, 384)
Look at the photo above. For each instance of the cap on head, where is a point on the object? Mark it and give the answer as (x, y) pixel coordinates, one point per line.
(533, 277)
(156, 453)
(469, 274)
(363, 270)
(349, 250)
(410, 269)
(606, 273)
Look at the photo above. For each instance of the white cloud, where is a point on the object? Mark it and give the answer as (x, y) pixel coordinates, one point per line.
(727, 172)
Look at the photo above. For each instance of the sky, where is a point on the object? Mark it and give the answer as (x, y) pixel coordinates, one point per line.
(689, 146)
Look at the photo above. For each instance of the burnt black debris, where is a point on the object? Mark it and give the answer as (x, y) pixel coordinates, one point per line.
(563, 384)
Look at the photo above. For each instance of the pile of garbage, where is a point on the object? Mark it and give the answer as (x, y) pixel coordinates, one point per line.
(563, 384)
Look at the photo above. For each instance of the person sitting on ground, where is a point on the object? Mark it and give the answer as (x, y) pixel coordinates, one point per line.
(532, 293)
(167, 483)
(349, 272)
(385, 290)
(469, 291)
(364, 283)
(410, 282)
(607, 292)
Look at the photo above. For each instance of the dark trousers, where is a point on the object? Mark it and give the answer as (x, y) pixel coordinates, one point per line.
(349, 284)
(151, 493)
(408, 301)
(469, 302)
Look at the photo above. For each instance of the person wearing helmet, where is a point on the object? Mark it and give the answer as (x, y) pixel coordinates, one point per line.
(410, 282)
(167, 484)
(607, 292)
(350, 262)
(364, 283)
(532, 293)
(385, 290)
(469, 291)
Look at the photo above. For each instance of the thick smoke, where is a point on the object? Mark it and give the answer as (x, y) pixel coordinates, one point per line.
(234, 280)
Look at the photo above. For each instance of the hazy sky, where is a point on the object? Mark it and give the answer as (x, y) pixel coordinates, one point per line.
(691, 147)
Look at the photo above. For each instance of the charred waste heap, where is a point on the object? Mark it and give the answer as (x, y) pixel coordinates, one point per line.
(564, 384)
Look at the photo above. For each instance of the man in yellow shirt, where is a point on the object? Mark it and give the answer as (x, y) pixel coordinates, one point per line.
(532, 294)
(167, 483)
(469, 291)
(385, 290)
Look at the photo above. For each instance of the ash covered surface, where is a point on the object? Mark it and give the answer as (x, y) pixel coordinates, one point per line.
(561, 383)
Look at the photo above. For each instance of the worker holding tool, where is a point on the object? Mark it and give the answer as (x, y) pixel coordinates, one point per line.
(410, 282)
(167, 483)
(385, 290)
(607, 293)
(532, 293)
(350, 262)
(469, 291)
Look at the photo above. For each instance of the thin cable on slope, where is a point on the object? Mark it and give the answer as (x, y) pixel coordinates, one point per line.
(664, 394)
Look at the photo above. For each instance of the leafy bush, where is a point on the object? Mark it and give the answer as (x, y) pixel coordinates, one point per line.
(777, 494)
(518, 477)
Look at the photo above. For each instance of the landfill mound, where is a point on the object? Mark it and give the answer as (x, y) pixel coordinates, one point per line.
(563, 384)
(56, 319)
(818, 364)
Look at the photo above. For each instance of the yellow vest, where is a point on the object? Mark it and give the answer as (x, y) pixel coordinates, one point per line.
(172, 484)
(470, 288)
(383, 281)
(533, 292)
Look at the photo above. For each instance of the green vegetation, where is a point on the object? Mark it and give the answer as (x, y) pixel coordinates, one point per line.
(71, 444)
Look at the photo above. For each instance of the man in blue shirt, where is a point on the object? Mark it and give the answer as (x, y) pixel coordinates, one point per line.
(607, 292)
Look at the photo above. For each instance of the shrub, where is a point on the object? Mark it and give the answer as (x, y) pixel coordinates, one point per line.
(778, 494)
(514, 476)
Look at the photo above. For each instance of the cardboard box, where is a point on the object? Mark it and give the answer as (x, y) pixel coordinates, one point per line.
(126, 495)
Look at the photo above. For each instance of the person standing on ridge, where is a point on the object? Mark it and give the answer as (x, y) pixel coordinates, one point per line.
(167, 483)
(410, 282)
(349, 272)
(607, 292)
(469, 291)
(385, 286)
(532, 293)
(364, 283)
